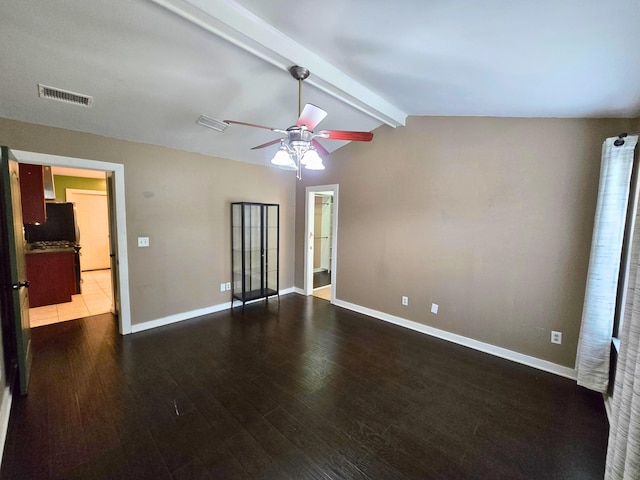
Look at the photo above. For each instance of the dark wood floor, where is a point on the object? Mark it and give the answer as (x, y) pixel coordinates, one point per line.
(303, 391)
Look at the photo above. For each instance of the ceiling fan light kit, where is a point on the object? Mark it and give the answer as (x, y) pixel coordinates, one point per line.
(282, 158)
(299, 147)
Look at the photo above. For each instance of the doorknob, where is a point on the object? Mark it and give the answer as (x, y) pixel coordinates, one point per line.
(16, 286)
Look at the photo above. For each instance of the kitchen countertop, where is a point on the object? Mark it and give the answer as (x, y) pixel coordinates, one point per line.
(30, 251)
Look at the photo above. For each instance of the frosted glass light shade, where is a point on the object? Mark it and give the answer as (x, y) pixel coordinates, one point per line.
(312, 160)
(315, 166)
(291, 166)
(282, 159)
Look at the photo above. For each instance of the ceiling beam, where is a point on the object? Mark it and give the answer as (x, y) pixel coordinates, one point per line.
(239, 26)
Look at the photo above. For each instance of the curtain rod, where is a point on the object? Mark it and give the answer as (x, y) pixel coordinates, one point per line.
(619, 141)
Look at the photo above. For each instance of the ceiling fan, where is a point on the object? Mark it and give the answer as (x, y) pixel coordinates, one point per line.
(298, 146)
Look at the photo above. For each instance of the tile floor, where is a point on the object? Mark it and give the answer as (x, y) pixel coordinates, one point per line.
(323, 292)
(96, 298)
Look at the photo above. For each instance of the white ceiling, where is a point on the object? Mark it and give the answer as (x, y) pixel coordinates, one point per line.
(153, 72)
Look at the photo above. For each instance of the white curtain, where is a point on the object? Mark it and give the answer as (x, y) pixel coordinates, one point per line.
(623, 455)
(594, 344)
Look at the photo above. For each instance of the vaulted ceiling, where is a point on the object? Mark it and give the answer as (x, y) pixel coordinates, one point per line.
(154, 66)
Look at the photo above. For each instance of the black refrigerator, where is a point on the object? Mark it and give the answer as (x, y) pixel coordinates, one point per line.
(60, 226)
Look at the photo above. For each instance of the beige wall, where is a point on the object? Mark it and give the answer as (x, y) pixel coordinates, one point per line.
(181, 201)
(490, 218)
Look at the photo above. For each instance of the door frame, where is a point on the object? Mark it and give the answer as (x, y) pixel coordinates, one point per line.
(309, 229)
(117, 170)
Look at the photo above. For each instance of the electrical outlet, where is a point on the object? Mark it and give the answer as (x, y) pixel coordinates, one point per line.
(434, 308)
(556, 337)
(223, 287)
(228, 285)
(405, 300)
(143, 241)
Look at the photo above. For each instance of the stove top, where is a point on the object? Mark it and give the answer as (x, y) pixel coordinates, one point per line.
(53, 244)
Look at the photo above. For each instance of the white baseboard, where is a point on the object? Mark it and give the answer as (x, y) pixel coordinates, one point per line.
(419, 327)
(5, 411)
(465, 341)
(179, 317)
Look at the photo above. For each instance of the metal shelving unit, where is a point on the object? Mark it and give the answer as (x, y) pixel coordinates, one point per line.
(255, 248)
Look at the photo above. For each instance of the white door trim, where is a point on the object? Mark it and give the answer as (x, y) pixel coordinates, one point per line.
(124, 315)
(309, 228)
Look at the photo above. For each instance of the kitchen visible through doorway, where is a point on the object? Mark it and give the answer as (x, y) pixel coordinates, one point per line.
(96, 298)
(87, 191)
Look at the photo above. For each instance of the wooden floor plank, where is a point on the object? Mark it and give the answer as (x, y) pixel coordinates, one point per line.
(299, 390)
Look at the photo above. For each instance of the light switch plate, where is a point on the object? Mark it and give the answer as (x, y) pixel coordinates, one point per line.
(143, 241)
(434, 308)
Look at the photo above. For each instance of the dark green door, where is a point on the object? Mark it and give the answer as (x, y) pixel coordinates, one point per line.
(113, 242)
(17, 296)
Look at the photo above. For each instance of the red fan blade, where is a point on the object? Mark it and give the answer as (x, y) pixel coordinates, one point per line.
(272, 142)
(252, 125)
(344, 135)
(311, 116)
(323, 152)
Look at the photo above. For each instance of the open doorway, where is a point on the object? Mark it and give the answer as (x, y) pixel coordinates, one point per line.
(321, 241)
(116, 279)
(322, 246)
(86, 191)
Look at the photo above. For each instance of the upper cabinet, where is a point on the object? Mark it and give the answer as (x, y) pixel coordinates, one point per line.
(32, 193)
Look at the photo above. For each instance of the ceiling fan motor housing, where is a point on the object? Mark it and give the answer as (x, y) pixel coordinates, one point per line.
(300, 134)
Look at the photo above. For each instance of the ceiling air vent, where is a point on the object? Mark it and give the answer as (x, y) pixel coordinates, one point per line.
(217, 125)
(64, 96)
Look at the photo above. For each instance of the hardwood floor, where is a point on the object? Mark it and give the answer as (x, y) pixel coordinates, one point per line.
(303, 391)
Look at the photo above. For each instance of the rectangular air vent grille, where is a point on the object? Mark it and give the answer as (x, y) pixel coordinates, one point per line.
(64, 96)
(213, 123)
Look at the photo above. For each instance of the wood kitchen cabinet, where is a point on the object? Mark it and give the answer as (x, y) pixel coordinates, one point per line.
(32, 194)
(51, 277)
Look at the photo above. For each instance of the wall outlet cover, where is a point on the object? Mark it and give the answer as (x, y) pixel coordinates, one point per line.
(556, 337)
(228, 285)
(143, 241)
(405, 300)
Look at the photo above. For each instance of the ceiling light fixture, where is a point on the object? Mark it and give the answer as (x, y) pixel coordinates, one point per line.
(297, 151)
(300, 148)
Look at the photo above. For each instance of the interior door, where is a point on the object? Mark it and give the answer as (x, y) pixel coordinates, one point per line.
(17, 295)
(92, 215)
(113, 241)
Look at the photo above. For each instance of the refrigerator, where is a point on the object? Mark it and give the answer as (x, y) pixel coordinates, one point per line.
(61, 225)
